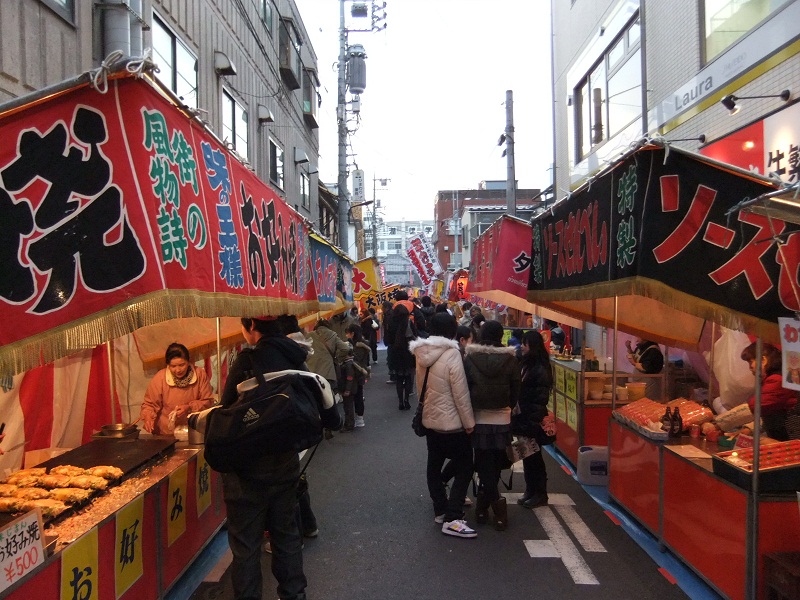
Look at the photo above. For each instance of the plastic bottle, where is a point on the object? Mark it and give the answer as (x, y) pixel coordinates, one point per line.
(666, 421)
(676, 429)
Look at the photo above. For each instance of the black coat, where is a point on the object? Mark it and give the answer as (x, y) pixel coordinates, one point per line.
(537, 382)
(397, 337)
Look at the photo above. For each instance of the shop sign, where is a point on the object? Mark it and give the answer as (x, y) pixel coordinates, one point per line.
(572, 415)
(21, 548)
(790, 347)
(376, 298)
(128, 560)
(79, 568)
(653, 219)
(176, 504)
(358, 186)
(202, 484)
(423, 258)
(333, 274)
(365, 279)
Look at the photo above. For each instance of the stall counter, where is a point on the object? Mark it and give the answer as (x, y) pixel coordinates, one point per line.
(137, 539)
(672, 490)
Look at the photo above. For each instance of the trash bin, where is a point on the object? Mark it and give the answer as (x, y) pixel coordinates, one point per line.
(593, 465)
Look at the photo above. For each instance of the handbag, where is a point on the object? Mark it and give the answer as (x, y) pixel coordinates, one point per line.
(545, 432)
(523, 447)
(416, 421)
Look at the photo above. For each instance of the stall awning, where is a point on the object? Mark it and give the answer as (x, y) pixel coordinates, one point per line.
(119, 210)
(499, 270)
(654, 231)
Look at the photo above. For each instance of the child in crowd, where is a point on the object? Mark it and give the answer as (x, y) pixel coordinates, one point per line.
(361, 353)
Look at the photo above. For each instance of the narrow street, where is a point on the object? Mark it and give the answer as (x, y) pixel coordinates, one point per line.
(378, 538)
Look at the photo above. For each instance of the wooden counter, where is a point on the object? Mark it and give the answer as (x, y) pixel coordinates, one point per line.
(701, 517)
(135, 541)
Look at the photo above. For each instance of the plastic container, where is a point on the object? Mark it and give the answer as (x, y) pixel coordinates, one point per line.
(593, 465)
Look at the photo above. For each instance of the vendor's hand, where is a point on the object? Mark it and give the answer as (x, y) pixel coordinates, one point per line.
(2, 435)
(182, 410)
(469, 430)
(148, 424)
(632, 359)
(628, 345)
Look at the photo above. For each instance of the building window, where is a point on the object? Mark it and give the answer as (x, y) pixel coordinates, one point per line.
(305, 196)
(265, 12)
(275, 163)
(396, 245)
(177, 65)
(727, 21)
(63, 8)
(289, 54)
(609, 98)
(310, 98)
(381, 245)
(234, 124)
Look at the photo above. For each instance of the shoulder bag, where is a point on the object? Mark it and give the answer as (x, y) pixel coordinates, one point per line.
(416, 422)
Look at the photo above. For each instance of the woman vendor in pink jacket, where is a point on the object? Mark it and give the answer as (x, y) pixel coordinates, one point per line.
(179, 388)
(776, 400)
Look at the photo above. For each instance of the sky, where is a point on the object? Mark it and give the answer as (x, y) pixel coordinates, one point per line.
(434, 104)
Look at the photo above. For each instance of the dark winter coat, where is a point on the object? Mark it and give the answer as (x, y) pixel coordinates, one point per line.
(493, 375)
(361, 354)
(537, 382)
(399, 333)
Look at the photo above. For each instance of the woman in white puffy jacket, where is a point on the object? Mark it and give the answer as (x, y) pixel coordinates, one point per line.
(447, 414)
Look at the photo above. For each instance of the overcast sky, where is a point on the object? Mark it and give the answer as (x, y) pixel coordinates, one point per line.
(434, 105)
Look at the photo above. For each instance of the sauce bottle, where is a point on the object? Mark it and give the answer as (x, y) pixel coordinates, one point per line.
(676, 428)
(666, 421)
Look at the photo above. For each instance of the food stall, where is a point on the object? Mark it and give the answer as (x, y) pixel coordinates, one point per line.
(123, 213)
(652, 247)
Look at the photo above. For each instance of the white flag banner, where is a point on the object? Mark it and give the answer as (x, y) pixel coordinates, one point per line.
(424, 259)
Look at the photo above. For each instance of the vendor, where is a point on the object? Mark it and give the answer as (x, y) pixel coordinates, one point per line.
(178, 388)
(776, 401)
(647, 357)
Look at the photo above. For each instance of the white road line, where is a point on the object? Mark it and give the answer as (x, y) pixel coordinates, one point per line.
(569, 553)
(541, 549)
(580, 530)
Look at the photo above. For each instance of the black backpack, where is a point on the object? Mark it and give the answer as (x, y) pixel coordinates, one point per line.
(273, 414)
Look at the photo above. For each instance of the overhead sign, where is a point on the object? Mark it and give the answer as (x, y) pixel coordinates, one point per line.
(366, 280)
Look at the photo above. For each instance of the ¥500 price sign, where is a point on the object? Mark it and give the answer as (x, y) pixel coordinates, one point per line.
(21, 548)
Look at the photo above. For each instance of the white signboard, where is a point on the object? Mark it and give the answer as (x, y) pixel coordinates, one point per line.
(790, 346)
(21, 548)
(358, 186)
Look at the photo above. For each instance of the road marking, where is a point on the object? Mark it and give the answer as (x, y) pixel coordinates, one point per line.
(579, 529)
(541, 549)
(570, 555)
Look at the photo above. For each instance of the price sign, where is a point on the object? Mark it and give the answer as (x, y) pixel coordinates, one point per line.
(558, 371)
(572, 415)
(21, 548)
(561, 408)
(571, 380)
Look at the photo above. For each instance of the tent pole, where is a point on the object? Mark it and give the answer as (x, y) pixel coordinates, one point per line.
(711, 374)
(614, 357)
(219, 360)
(752, 524)
(111, 386)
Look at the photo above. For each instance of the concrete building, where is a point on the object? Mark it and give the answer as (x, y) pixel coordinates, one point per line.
(471, 212)
(392, 245)
(247, 69)
(626, 68)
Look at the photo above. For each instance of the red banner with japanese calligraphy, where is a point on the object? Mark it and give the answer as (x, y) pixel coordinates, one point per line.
(656, 230)
(118, 211)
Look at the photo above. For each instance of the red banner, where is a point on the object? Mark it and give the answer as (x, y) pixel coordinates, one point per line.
(109, 200)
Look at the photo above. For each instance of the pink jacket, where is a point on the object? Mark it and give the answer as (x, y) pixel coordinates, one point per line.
(163, 396)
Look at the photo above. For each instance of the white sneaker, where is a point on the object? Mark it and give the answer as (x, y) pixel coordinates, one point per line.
(459, 528)
(359, 421)
(439, 519)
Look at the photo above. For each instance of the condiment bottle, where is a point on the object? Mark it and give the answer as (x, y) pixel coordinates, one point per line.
(676, 428)
(666, 421)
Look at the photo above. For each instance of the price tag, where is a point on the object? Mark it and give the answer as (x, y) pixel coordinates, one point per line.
(572, 415)
(561, 408)
(572, 384)
(558, 371)
(21, 548)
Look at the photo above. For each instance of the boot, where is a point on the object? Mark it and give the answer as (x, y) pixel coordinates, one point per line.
(406, 404)
(536, 499)
(481, 508)
(400, 404)
(500, 510)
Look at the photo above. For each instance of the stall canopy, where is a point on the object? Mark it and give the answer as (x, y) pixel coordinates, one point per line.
(118, 210)
(655, 231)
(499, 271)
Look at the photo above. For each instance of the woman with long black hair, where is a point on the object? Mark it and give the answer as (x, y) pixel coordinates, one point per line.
(537, 381)
(400, 332)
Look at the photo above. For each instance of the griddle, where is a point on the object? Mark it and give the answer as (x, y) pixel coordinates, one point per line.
(125, 454)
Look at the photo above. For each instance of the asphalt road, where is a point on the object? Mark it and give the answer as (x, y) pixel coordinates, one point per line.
(378, 538)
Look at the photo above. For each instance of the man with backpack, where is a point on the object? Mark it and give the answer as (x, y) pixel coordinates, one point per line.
(262, 495)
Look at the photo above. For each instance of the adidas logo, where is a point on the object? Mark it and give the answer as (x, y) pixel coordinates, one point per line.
(250, 415)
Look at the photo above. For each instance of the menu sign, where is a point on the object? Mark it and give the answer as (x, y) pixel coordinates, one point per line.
(21, 548)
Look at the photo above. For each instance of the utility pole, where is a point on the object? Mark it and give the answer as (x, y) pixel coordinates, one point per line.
(511, 179)
(341, 117)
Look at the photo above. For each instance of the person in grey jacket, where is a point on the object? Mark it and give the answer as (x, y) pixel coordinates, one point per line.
(447, 414)
(494, 381)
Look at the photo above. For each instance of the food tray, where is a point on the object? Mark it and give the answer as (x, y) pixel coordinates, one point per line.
(779, 467)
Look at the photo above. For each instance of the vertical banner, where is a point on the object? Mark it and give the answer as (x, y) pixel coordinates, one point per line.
(424, 259)
(203, 484)
(790, 346)
(128, 563)
(176, 504)
(358, 186)
(79, 577)
(365, 279)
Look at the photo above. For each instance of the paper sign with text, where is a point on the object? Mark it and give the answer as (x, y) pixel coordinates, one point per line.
(176, 504)
(128, 563)
(79, 577)
(21, 547)
(203, 484)
(790, 346)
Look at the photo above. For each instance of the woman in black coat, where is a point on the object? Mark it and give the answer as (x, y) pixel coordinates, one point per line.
(399, 332)
(537, 382)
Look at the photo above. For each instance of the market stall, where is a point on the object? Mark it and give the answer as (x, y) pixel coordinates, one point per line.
(128, 222)
(649, 247)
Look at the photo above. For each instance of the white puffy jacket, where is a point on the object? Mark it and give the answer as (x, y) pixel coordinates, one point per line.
(447, 405)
